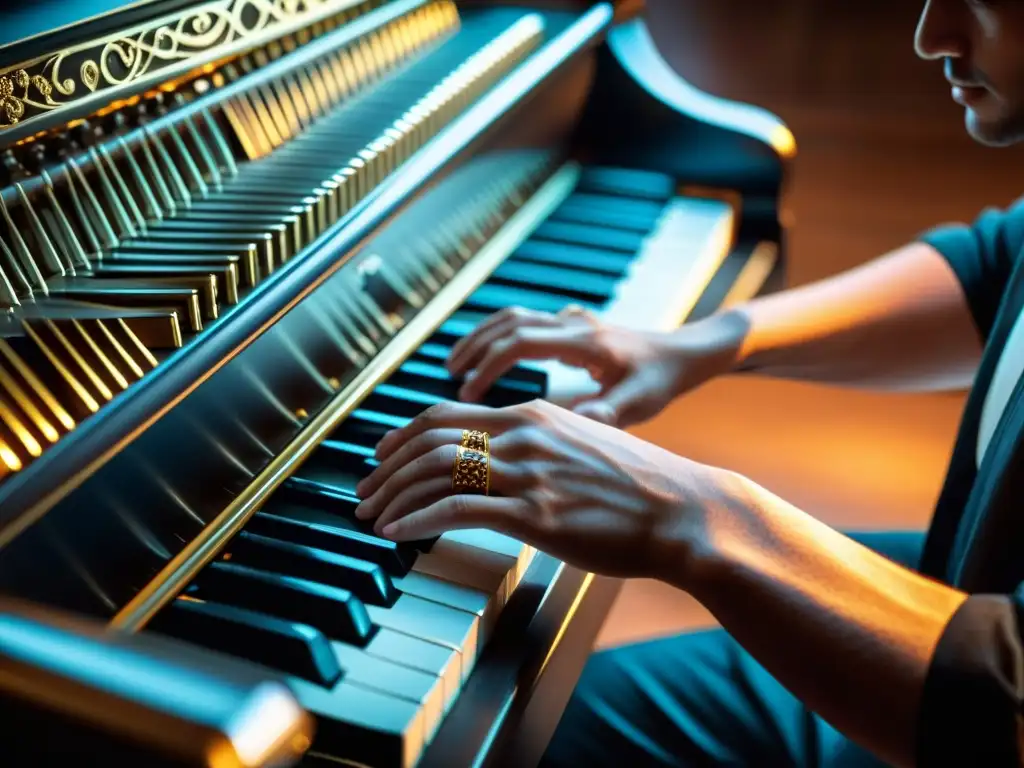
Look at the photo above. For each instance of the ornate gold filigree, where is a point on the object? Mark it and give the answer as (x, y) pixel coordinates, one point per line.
(30, 89)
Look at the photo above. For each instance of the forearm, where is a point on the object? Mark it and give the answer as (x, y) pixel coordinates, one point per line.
(847, 631)
(899, 322)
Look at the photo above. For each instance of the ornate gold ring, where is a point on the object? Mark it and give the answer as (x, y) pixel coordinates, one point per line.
(476, 440)
(471, 472)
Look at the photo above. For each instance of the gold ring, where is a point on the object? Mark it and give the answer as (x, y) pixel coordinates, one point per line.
(476, 440)
(471, 472)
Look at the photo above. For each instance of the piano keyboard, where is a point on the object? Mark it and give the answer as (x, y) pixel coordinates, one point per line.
(377, 638)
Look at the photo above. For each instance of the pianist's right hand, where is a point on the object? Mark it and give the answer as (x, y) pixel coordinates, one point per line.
(639, 373)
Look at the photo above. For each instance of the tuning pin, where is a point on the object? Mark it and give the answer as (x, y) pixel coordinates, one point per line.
(79, 136)
(19, 164)
(12, 168)
(34, 159)
(159, 104)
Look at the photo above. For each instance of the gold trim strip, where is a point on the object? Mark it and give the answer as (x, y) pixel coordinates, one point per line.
(752, 277)
(204, 548)
(149, 53)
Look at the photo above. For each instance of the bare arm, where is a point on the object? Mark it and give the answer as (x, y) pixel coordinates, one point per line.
(899, 322)
(849, 632)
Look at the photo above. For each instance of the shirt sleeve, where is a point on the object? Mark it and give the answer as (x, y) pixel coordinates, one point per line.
(982, 254)
(972, 707)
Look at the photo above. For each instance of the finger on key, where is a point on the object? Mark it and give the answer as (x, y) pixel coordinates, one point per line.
(423, 493)
(437, 463)
(405, 453)
(419, 495)
(448, 416)
(470, 347)
(572, 346)
(503, 515)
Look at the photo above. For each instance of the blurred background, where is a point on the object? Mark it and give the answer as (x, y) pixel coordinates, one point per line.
(882, 155)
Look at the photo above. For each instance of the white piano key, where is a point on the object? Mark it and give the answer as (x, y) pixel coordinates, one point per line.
(483, 605)
(496, 543)
(390, 729)
(433, 658)
(666, 279)
(475, 576)
(385, 676)
(437, 623)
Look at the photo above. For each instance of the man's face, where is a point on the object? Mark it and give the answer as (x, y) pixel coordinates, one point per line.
(981, 44)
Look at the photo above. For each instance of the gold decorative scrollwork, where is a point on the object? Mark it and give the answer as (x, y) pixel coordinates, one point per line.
(42, 85)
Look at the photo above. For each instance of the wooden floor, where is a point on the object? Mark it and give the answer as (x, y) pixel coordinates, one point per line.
(882, 156)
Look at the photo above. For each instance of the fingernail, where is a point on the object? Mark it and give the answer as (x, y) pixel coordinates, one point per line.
(389, 530)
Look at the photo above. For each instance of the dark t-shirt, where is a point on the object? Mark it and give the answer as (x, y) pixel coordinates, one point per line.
(983, 255)
(971, 711)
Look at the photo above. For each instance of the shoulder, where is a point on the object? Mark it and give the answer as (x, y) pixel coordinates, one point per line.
(995, 235)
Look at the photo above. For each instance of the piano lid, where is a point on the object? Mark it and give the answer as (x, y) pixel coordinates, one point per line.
(48, 78)
(28, 20)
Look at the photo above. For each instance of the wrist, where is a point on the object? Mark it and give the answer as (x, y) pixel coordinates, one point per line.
(695, 540)
(715, 342)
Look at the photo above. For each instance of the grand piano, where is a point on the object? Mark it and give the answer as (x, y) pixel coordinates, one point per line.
(238, 239)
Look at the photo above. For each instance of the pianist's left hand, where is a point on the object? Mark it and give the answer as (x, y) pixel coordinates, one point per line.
(585, 492)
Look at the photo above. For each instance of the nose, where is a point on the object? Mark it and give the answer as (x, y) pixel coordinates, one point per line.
(940, 30)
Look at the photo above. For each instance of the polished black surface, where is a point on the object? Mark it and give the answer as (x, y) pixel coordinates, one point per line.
(48, 25)
(64, 677)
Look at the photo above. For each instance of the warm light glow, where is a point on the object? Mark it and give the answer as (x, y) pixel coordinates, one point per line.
(81, 391)
(261, 727)
(37, 386)
(9, 458)
(783, 140)
(8, 417)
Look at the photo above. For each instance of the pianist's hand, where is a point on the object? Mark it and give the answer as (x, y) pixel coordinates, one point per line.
(639, 373)
(585, 492)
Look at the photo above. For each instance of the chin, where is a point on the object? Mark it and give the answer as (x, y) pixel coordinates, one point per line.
(993, 132)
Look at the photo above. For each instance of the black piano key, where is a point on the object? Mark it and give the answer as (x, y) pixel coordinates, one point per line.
(339, 466)
(491, 298)
(459, 325)
(624, 182)
(364, 579)
(336, 612)
(435, 379)
(432, 352)
(591, 237)
(286, 523)
(317, 493)
(296, 649)
(339, 471)
(610, 211)
(579, 286)
(534, 377)
(401, 401)
(350, 457)
(340, 502)
(366, 427)
(575, 257)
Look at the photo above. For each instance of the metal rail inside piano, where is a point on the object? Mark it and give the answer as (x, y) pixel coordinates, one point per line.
(237, 239)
